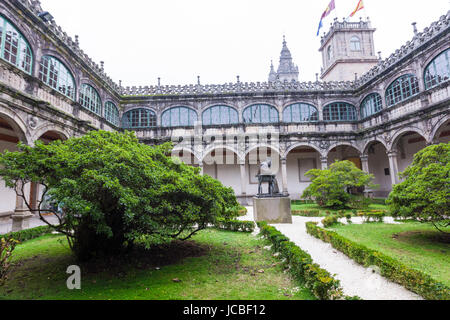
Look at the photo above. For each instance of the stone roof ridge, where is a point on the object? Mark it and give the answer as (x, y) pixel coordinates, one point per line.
(34, 6)
(435, 29)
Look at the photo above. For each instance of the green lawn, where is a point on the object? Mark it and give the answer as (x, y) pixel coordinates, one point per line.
(323, 212)
(417, 245)
(216, 265)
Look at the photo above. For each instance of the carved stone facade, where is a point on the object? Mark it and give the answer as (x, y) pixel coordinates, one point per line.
(382, 143)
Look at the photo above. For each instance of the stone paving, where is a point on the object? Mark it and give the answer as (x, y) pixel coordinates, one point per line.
(355, 279)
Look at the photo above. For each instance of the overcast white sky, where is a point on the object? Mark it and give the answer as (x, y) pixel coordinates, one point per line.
(141, 40)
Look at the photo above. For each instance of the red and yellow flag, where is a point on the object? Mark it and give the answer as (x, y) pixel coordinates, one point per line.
(360, 6)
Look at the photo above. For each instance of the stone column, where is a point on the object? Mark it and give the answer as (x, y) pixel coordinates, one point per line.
(200, 165)
(21, 216)
(324, 162)
(393, 166)
(243, 180)
(284, 176)
(365, 163)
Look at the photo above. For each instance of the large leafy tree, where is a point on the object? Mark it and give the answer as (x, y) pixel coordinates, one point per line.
(425, 192)
(332, 187)
(115, 192)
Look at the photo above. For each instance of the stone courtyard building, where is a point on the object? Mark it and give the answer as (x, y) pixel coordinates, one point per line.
(376, 113)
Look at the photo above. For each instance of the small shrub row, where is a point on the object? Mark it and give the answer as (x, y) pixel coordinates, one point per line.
(374, 216)
(307, 213)
(28, 234)
(235, 225)
(390, 268)
(323, 285)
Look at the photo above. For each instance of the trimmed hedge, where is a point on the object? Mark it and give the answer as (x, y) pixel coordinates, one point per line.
(235, 225)
(302, 267)
(307, 213)
(28, 234)
(392, 269)
(375, 216)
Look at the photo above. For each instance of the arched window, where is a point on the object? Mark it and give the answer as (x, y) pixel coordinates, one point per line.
(330, 53)
(14, 48)
(179, 117)
(438, 70)
(339, 111)
(220, 115)
(54, 73)
(139, 118)
(261, 113)
(372, 104)
(300, 112)
(90, 99)
(355, 44)
(404, 87)
(111, 113)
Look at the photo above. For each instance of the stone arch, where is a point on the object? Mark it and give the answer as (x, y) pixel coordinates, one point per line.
(42, 130)
(302, 144)
(434, 135)
(18, 125)
(369, 142)
(209, 150)
(342, 143)
(264, 145)
(196, 157)
(399, 134)
(67, 63)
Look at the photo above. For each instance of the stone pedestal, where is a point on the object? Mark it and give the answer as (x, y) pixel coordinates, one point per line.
(272, 210)
(20, 221)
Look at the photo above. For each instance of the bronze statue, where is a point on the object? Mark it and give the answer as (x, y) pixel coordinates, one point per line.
(265, 175)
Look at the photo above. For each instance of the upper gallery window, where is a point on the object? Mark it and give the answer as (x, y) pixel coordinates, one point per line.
(402, 88)
(112, 113)
(179, 117)
(438, 70)
(339, 111)
(371, 105)
(90, 99)
(54, 73)
(139, 118)
(220, 115)
(14, 48)
(300, 112)
(261, 113)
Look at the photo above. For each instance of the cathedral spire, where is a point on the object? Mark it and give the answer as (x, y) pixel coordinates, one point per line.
(287, 70)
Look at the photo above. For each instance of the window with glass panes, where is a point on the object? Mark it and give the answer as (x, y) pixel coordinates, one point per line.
(90, 99)
(355, 44)
(339, 111)
(220, 115)
(300, 112)
(14, 48)
(111, 113)
(139, 118)
(55, 74)
(438, 70)
(179, 117)
(261, 113)
(401, 89)
(371, 105)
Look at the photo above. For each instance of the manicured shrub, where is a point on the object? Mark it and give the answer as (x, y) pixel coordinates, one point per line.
(390, 268)
(235, 225)
(307, 213)
(330, 221)
(319, 281)
(28, 234)
(116, 193)
(332, 187)
(425, 192)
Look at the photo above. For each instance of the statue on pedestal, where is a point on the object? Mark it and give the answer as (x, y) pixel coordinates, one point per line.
(266, 176)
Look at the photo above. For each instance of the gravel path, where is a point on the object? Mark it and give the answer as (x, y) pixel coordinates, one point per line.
(355, 279)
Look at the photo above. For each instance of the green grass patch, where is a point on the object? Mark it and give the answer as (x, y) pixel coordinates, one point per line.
(215, 265)
(418, 246)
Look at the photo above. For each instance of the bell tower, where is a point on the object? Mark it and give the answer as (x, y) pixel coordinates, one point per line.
(348, 50)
